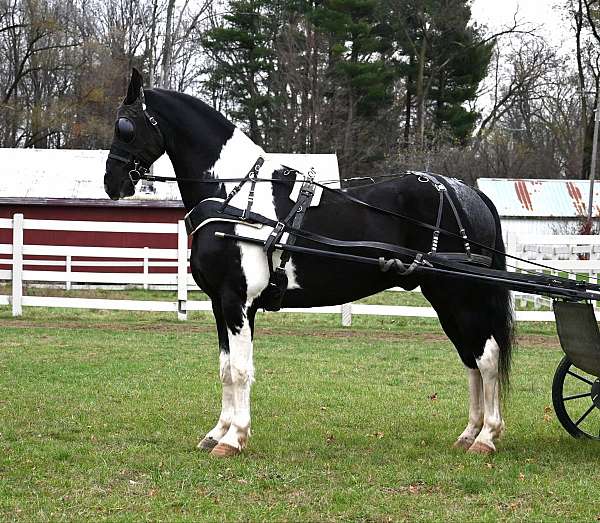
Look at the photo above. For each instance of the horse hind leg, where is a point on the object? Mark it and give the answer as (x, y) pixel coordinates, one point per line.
(493, 425)
(473, 428)
(469, 319)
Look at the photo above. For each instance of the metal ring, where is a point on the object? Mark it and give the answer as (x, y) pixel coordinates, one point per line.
(138, 176)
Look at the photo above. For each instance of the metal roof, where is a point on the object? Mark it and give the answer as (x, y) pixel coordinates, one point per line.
(78, 174)
(540, 198)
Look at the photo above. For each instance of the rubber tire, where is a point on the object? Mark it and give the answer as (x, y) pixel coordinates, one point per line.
(559, 404)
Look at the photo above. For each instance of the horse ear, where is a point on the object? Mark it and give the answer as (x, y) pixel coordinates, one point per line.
(135, 85)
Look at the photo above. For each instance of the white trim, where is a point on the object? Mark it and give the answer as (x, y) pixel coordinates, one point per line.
(91, 303)
(91, 226)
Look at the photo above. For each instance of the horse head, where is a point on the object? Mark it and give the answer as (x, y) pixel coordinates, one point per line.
(137, 142)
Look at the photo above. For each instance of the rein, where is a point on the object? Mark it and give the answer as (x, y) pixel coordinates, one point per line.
(141, 173)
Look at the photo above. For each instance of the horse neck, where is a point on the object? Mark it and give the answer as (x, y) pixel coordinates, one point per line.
(202, 145)
(238, 156)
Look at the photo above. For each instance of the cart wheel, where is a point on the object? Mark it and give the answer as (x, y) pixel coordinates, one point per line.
(576, 399)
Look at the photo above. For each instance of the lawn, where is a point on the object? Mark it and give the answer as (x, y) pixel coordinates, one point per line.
(100, 413)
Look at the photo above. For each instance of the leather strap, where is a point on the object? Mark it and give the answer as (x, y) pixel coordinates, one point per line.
(252, 174)
(203, 210)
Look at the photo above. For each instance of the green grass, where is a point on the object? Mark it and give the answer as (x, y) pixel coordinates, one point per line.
(100, 413)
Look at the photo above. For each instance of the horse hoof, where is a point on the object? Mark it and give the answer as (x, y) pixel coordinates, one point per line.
(222, 450)
(462, 443)
(481, 448)
(207, 444)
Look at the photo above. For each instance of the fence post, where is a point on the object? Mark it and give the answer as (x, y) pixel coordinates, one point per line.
(182, 264)
(68, 270)
(593, 278)
(17, 266)
(346, 315)
(147, 267)
(511, 247)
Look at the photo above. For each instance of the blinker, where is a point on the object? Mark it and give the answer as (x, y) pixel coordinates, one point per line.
(125, 130)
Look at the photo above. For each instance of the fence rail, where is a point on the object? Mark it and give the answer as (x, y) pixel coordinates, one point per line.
(18, 256)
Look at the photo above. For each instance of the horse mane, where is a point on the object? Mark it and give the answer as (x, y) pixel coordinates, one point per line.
(187, 111)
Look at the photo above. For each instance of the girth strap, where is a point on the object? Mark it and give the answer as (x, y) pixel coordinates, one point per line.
(273, 294)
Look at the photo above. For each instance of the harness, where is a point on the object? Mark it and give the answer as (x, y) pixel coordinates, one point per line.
(130, 154)
(441, 189)
(216, 209)
(221, 210)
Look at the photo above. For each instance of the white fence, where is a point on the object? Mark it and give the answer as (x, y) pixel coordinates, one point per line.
(570, 256)
(22, 257)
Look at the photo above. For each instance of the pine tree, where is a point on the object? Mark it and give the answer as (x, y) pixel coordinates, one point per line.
(244, 59)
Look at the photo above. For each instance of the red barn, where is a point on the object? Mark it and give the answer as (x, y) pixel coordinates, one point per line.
(68, 185)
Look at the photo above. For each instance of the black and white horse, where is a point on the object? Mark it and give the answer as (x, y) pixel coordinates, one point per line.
(203, 145)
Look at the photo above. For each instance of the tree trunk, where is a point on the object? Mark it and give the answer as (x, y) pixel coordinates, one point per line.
(167, 48)
(420, 94)
(408, 109)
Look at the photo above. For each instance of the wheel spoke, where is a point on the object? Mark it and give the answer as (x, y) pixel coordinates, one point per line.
(585, 380)
(577, 396)
(585, 415)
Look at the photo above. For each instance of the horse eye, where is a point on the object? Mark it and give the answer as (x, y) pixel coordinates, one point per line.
(125, 130)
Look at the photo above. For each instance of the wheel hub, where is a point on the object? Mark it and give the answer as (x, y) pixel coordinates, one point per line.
(596, 393)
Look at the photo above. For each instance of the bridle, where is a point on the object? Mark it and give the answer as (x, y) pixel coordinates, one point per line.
(141, 167)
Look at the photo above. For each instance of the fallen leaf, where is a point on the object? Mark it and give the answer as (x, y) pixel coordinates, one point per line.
(521, 476)
(433, 397)
(489, 465)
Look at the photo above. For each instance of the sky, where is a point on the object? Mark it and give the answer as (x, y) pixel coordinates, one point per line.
(539, 13)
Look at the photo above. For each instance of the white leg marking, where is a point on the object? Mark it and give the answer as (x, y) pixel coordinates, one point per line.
(492, 420)
(222, 426)
(242, 376)
(466, 439)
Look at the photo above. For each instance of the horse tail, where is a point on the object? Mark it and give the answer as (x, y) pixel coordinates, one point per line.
(502, 306)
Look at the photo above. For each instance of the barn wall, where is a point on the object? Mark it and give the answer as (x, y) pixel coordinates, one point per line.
(542, 225)
(130, 213)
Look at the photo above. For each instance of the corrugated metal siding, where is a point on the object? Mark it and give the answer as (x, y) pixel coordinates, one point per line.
(540, 198)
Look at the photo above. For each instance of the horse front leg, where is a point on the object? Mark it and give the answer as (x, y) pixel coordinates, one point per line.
(493, 425)
(220, 429)
(240, 369)
(466, 439)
